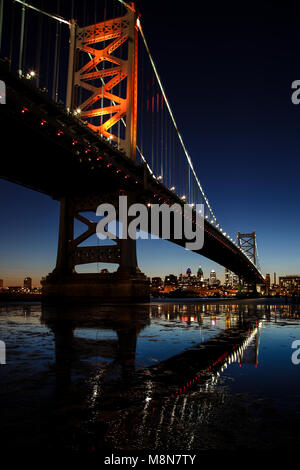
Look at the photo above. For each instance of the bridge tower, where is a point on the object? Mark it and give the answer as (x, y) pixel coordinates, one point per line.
(102, 77)
(101, 91)
(247, 242)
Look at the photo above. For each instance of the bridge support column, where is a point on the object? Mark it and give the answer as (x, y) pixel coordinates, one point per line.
(64, 263)
(127, 283)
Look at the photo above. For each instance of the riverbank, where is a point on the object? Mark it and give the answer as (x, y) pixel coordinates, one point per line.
(226, 300)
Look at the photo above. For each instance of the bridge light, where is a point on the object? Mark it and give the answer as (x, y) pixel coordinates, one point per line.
(173, 188)
(77, 111)
(159, 178)
(30, 74)
(183, 197)
(148, 205)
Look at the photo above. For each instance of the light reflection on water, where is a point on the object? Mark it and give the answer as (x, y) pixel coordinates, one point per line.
(165, 375)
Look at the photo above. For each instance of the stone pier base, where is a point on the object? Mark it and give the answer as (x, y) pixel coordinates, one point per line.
(109, 287)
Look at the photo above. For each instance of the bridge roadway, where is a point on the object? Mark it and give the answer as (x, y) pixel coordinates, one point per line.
(50, 151)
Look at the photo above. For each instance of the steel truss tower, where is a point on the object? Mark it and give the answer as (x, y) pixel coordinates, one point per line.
(105, 74)
(247, 242)
(106, 84)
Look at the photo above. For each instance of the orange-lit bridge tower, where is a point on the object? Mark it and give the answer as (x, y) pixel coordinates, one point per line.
(102, 92)
(106, 76)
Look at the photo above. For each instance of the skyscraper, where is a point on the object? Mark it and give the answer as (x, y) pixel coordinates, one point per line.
(235, 280)
(212, 278)
(28, 283)
(228, 278)
(200, 273)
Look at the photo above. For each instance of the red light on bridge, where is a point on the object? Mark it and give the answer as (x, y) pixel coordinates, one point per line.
(43, 122)
(24, 110)
(59, 133)
(75, 142)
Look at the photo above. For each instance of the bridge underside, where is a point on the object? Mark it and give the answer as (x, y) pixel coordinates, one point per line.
(52, 152)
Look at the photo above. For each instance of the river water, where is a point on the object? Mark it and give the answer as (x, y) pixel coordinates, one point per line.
(182, 375)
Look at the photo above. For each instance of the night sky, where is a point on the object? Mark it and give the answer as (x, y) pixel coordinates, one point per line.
(227, 69)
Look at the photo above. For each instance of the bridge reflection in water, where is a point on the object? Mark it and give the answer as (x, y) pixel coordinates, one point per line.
(128, 405)
(164, 376)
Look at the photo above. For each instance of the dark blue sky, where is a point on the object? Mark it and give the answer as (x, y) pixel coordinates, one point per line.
(227, 69)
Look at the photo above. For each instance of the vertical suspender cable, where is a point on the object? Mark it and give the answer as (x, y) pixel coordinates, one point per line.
(174, 122)
(1, 20)
(12, 35)
(38, 51)
(48, 60)
(162, 139)
(21, 41)
(55, 63)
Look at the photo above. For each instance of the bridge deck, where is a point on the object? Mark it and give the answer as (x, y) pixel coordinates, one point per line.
(53, 152)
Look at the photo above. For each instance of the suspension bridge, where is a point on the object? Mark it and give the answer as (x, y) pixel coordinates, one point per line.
(92, 121)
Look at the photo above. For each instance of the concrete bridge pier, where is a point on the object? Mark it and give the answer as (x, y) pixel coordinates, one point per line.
(128, 283)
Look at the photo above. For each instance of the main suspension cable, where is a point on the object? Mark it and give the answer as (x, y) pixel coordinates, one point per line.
(54, 17)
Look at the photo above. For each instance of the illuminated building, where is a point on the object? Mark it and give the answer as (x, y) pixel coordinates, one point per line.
(200, 274)
(267, 283)
(14, 289)
(156, 283)
(228, 278)
(28, 283)
(213, 281)
(290, 284)
(171, 280)
(235, 280)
